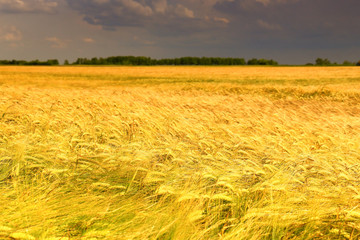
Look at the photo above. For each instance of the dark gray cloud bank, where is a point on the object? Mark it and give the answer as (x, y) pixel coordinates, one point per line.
(290, 31)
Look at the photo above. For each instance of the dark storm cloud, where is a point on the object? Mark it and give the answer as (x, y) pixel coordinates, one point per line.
(28, 6)
(254, 18)
(151, 14)
(112, 13)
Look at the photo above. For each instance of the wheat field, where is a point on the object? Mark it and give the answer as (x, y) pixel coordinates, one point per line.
(179, 153)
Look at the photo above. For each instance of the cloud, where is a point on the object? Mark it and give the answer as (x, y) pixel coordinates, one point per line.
(101, 1)
(88, 40)
(247, 22)
(28, 6)
(267, 2)
(222, 20)
(160, 6)
(56, 42)
(113, 13)
(244, 6)
(136, 7)
(268, 26)
(149, 14)
(10, 34)
(264, 2)
(184, 12)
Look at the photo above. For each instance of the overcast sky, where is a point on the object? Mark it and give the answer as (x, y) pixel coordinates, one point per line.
(289, 31)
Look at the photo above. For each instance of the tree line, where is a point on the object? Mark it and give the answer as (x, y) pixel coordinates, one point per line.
(327, 62)
(147, 61)
(50, 62)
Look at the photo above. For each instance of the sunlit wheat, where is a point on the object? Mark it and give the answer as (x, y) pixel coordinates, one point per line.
(179, 153)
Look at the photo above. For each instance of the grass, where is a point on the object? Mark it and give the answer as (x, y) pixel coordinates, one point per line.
(179, 153)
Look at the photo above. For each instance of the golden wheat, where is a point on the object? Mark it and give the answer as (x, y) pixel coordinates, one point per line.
(179, 152)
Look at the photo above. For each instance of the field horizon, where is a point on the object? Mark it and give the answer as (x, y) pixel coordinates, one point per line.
(180, 152)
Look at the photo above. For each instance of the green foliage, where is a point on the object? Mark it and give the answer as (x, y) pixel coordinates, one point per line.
(146, 61)
(348, 63)
(50, 62)
(262, 61)
(327, 62)
(322, 62)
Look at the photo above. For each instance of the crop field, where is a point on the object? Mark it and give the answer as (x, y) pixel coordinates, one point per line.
(179, 153)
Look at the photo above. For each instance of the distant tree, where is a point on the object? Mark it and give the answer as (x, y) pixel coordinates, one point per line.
(79, 61)
(205, 61)
(51, 62)
(348, 63)
(253, 61)
(319, 61)
(102, 61)
(358, 63)
(34, 62)
(322, 62)
(261, 61)
(239, 61)
(94, 61)
(66, 62)
(272, 62)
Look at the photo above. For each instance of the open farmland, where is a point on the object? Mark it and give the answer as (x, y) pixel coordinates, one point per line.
(179, 153)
